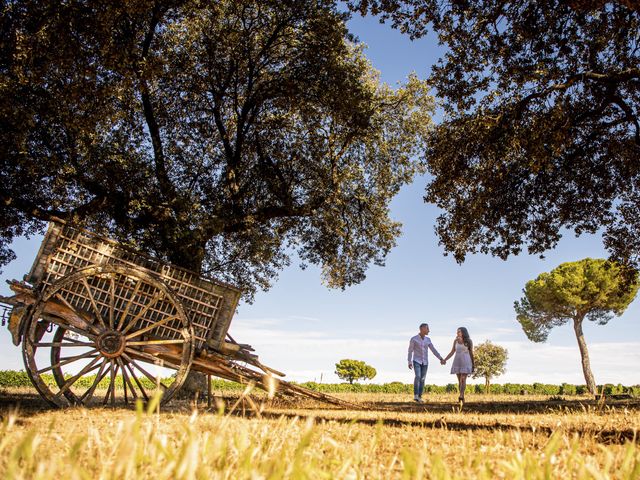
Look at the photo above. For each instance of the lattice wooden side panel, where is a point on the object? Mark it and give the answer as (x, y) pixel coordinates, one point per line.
(209, 305)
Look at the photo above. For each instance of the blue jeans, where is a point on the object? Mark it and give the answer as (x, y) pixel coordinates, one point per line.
(420, 372)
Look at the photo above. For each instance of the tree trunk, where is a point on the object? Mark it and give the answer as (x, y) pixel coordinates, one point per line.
(487, 386)
(194, 385)
(190, 255)
(584, 353)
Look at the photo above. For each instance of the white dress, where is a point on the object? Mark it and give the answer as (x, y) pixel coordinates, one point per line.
(462, 360)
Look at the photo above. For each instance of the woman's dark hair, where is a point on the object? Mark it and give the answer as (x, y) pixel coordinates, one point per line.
(466, 339)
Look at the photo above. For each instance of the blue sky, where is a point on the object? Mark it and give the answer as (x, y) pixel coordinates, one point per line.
(302, 328)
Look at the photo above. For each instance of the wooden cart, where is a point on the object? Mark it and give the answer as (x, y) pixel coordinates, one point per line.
(92, 312)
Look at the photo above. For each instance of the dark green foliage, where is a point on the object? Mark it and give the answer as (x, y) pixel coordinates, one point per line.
(220, 136)
(610, 389)
(541, 130)
(451, 388)
(581, 390)
(545, 389)
(11, 378)
(591, 289)
(516, 388)
(16, 379)
(496, 389)
(634, 390)
(437, 388)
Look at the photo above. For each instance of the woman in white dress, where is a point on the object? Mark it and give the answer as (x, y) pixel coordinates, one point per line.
(463, 363)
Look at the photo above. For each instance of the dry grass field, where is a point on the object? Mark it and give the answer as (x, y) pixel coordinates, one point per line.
(491, 437)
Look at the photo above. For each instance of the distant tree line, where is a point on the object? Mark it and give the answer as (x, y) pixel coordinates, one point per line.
(495, 389)
(19, 379)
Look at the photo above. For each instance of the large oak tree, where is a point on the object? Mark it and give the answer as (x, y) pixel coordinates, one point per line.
(541, 130)
(221, 136)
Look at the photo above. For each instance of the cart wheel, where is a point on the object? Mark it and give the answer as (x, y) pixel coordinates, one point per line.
(110, 324)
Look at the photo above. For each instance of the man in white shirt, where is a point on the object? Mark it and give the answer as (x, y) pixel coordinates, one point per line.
(418, 360)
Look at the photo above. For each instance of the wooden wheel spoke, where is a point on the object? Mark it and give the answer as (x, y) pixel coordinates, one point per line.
(86, 396)
(156, 342)
(68, 360)
(116, 367)
(124, 389)
(124, 381)
(65, 301)
(88, 368)
(159, 323)
(142, 390)
(94, 305)
(127, 382)
(156, 298)
(72, 340)
(146, 374)
(111, 390)
(77, 331)
(63, 344)
(155, 360)
(73, 309)
(125, 312)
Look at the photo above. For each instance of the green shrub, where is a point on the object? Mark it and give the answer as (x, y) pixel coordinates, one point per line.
(20, 379)
(226, 385)
(545, 389)
(10, 378)
(611, 389)
(397, 387)
(514, 388)
(495, 389)
(451, 388)
(435, 389)
(634, 390)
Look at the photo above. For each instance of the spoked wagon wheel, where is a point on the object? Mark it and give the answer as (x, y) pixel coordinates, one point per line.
(115, 332)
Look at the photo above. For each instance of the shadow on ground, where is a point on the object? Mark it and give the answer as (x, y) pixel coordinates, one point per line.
(29, 404)
(516, 406)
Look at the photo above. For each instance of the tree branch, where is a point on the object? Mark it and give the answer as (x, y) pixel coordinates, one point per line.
(95, 205)
(166, 187)
(271, 212)
(629, 114)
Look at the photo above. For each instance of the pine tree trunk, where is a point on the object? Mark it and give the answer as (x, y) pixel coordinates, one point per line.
(584, 353)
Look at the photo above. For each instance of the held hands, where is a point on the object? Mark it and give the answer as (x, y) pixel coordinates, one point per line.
(443, 361)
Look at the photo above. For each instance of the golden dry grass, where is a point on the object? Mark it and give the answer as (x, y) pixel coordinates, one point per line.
(390, 438)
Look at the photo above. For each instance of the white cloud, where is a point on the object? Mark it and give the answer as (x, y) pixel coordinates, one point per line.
(304, 349)
(306, 354)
